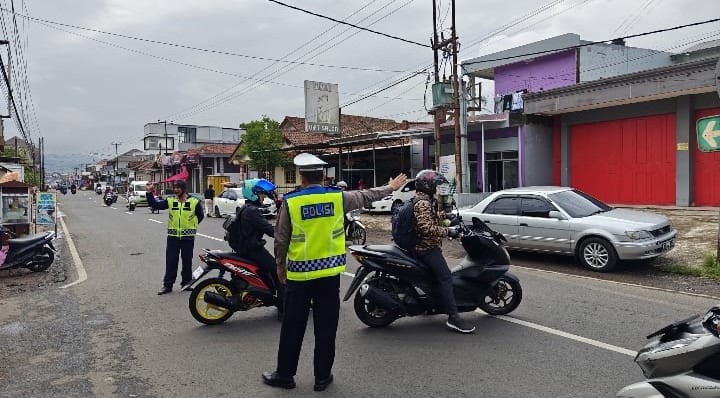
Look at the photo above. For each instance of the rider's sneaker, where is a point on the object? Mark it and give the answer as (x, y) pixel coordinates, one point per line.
(456, 323)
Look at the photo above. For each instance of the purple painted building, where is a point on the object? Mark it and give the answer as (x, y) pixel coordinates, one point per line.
(538, 74)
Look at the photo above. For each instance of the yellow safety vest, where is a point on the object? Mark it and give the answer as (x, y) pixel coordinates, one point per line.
(182, 221)
(317, 240)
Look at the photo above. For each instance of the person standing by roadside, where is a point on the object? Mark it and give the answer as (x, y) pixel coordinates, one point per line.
(184, 215)
(209, 196)
(310, 256)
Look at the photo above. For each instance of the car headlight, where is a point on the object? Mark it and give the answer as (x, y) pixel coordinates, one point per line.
(387, 197)
(637, 235)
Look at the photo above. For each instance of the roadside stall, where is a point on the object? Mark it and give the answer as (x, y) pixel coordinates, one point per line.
(16, 206)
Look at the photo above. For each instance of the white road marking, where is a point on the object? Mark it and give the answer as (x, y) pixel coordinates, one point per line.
(580, 339)
(156, 221)
(114, 208)
(129, 212)
(211, 237)
(82, 275)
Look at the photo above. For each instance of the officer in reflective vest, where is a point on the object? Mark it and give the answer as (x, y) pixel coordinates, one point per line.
(184, 215)
(310, 255)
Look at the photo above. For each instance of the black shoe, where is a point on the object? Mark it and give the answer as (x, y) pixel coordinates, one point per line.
(165, 289)
(456, 323)
(273, 379)
(321, 385)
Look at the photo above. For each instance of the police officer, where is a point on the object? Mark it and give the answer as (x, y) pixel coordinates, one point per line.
(310, 256)
(184, 215)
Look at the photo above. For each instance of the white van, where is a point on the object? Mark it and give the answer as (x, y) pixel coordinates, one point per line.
(136, 193)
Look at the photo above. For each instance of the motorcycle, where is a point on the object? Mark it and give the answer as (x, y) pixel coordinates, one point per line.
(391, 284)
(73, 190)
(34, 252)
(681, 360)
(63, 190)
(354, 229)
(214, 300)
(110, 198)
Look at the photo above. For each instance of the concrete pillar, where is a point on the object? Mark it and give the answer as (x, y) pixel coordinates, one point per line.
(564, 153)
(201, 171)
(684, 152)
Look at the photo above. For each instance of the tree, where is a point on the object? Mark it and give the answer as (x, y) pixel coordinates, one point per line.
(262, 143)
(30, 176)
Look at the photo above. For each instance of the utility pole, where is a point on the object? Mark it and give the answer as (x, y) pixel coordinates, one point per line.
(116, 162)
(456, 106)
(436, 115)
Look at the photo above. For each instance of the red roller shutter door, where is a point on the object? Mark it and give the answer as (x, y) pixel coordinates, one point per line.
(707, 170)
(629, 161)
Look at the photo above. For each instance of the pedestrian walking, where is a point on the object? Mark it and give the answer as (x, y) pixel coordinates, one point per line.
(310, 256)
(184, 215)
(209, 196)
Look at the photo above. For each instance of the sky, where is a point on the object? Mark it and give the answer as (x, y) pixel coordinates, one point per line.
(87, 90)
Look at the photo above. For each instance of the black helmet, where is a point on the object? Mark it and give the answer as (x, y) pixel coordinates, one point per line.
(180, 184)
(428, 180)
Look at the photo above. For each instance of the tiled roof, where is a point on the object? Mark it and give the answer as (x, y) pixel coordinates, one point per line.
(214, 149)
(141, 165)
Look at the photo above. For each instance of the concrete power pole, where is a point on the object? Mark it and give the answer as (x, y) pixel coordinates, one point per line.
(115, 168)
(456, 107)
(436, 112)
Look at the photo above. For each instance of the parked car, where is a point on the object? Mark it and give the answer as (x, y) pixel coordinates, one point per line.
(568, 221)
(395, 199)
(231, 200)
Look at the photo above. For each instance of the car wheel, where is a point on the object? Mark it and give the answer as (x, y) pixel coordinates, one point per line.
(597, 254)
(396, 205)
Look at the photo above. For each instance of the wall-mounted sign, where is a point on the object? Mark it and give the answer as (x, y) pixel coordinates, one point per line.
(683, 146)
(708, 133)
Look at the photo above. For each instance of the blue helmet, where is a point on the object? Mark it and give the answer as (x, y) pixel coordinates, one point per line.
(251, 188)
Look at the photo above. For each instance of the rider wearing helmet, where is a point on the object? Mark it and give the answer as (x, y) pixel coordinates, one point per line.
(342, 185)
(252, 227)
(429, 247)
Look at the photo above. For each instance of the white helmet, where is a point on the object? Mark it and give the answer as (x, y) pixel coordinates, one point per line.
(341, 185)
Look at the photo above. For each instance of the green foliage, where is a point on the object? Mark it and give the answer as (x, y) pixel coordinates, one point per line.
(710, 261)
(262, 142)
(710, 268)
(31, 177)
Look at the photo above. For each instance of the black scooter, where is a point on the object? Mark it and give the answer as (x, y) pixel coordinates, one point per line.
(392, 284)
(34, 252)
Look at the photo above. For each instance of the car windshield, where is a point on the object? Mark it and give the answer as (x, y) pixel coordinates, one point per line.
(578, 204)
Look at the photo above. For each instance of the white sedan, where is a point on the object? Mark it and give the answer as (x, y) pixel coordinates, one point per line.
(231, 200)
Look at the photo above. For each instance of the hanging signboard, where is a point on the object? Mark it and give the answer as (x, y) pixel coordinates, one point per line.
(322, 107)
(46, 208)
(447, 169)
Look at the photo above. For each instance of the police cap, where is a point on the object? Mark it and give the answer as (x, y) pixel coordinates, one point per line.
(309, 162)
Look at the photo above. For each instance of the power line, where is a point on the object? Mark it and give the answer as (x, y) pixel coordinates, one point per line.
(188, 47)
(12, 101)
(596, 42)
(349, 24)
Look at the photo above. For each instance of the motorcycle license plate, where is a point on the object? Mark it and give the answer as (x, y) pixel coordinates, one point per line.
(198, 271)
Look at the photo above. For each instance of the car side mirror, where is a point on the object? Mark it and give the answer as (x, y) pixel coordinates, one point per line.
(556, 215)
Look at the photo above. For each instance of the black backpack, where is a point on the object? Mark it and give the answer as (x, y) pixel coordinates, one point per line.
(403, 226)
(233, 232)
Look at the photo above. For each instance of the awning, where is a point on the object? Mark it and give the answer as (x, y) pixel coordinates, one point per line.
(182, 175)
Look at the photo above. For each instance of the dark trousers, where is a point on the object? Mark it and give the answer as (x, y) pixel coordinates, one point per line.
(266, 261)
(176, 247)
(323, 295)
(434, 260)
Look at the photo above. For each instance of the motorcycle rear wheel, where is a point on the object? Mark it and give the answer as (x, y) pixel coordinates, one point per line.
(45, 263)
(504, 298)
(369, 312)
(205, 312)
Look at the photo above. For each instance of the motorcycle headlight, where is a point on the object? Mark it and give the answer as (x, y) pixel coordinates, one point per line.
(638, 235)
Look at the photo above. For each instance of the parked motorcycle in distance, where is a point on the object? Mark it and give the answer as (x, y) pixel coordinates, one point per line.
(214, 300)
(682, 360)
(392, 284)
(354, 229)
(34, 252)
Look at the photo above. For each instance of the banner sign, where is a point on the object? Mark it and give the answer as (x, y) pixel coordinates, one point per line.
(447, 169)
(46, 208)
(322, 107)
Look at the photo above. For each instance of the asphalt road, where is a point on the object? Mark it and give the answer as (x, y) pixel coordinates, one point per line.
(111, 335)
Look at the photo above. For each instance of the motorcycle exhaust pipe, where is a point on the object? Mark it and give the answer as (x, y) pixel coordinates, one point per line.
(219, 300)
(381, 298)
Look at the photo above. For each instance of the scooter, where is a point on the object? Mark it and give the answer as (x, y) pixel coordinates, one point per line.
(391, 284)
(73, 190)
(214, 300)
(682, 360)
(34, 252)
(354, 229)
(110, 198)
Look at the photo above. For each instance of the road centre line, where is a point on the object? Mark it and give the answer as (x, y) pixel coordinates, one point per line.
(580, 339)
(155, 221)
(211, 237)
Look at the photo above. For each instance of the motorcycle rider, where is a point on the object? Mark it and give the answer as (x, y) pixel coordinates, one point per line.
(250, 230)
(429, 247)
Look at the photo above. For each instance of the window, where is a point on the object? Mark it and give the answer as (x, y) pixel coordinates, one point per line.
(410, 186)
(506, 205)
(290, 174)
(187, 134)
(536, 207)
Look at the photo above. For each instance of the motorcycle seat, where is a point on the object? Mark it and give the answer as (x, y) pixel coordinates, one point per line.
(390, 250)
(25, 240)
(232, 256)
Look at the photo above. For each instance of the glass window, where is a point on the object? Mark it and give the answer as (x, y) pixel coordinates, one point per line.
(578, 204)
(410, 186)
(510, 155)
(536, 207)
(492, 156)
(290, 175)
(506, 205)
(15, 209)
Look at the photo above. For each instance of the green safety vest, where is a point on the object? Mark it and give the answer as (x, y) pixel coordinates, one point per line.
(182, 220)
(317, 240)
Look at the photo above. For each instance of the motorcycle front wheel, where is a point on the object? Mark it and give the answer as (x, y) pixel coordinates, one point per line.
(502, 299)
(42, 260)
(369, 312)
(205, 312)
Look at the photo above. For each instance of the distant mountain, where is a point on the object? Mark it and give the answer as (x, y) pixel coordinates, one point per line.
(63, 163)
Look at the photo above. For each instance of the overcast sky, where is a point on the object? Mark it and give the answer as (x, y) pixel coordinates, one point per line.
(91, 91)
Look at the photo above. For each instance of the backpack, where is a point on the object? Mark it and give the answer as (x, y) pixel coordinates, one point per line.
(403, 226)
(233, 232)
